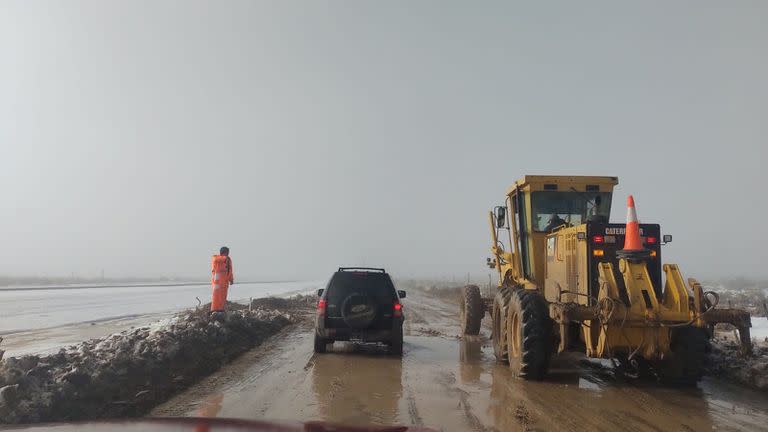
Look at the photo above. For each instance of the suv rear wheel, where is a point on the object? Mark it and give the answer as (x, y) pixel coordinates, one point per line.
(396, 346)
(321, 345)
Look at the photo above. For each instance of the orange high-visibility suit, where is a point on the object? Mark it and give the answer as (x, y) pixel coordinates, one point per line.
(221, 269)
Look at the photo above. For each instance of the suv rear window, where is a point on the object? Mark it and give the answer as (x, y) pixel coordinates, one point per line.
(377, 285)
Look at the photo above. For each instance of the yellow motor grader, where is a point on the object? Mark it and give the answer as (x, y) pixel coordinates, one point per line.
(566, 283)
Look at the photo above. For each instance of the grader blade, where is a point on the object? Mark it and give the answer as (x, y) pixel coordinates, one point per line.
(736, 317)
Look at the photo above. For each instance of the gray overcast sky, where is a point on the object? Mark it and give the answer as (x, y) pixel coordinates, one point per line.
(137, 137)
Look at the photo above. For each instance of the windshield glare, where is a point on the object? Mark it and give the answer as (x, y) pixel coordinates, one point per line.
(552, 209)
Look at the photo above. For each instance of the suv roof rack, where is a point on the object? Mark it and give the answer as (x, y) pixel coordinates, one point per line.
(367, 269)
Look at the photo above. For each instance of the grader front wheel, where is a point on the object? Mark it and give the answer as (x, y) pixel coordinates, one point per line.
(529, 334)
(471, 310)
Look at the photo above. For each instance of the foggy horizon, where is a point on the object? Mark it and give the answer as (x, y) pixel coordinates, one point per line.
(139, 137)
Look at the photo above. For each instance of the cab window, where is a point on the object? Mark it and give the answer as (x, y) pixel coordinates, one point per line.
(552, 209)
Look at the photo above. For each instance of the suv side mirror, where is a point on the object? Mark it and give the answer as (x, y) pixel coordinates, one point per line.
(401, 293)
(320, 292)
(667, 238)
(501, 217)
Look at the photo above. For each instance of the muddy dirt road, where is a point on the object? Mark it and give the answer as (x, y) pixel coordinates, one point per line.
(452, 385)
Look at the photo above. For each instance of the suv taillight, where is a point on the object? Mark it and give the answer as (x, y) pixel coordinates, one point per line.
(398, 310)
(321, 307)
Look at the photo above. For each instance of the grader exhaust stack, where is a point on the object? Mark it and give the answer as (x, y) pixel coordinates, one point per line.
(571, 281)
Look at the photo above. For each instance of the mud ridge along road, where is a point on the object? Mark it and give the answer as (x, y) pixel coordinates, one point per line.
(452, 385)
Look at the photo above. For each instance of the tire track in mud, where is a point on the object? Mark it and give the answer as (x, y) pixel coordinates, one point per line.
(412, 317)
(413, 410)
(448, 381)
(337, 384)
(523, 416)
(417, 324)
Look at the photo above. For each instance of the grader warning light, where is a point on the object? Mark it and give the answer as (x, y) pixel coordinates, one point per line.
(609, 297)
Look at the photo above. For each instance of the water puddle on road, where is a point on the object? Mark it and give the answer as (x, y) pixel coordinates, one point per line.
(580, 395)
(456, 385)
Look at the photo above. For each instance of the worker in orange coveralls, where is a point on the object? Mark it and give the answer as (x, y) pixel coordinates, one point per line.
(222, 277)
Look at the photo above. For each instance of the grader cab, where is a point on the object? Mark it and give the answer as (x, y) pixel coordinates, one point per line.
(569, 280)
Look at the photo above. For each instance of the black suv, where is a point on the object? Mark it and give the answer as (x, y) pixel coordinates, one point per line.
(360, 304)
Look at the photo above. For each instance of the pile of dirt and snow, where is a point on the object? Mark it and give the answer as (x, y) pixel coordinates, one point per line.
(127, 374)
(725, 361)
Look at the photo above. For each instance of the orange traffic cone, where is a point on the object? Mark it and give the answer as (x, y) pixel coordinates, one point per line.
(632, 241)
(633, 244)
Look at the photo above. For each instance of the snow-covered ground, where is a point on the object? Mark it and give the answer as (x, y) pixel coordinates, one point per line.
(43, 308)
(38, 320)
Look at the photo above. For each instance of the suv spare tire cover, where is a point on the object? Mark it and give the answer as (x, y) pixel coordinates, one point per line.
(358, 310)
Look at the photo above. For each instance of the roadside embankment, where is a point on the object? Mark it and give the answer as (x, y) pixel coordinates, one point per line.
(726, 362)
(128, 373)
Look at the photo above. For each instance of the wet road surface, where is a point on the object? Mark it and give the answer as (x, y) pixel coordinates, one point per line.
(453, 385)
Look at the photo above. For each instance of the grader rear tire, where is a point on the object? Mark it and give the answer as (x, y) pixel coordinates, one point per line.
(471, 310)
(685, 364)
(529, 334)
(498, 334)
